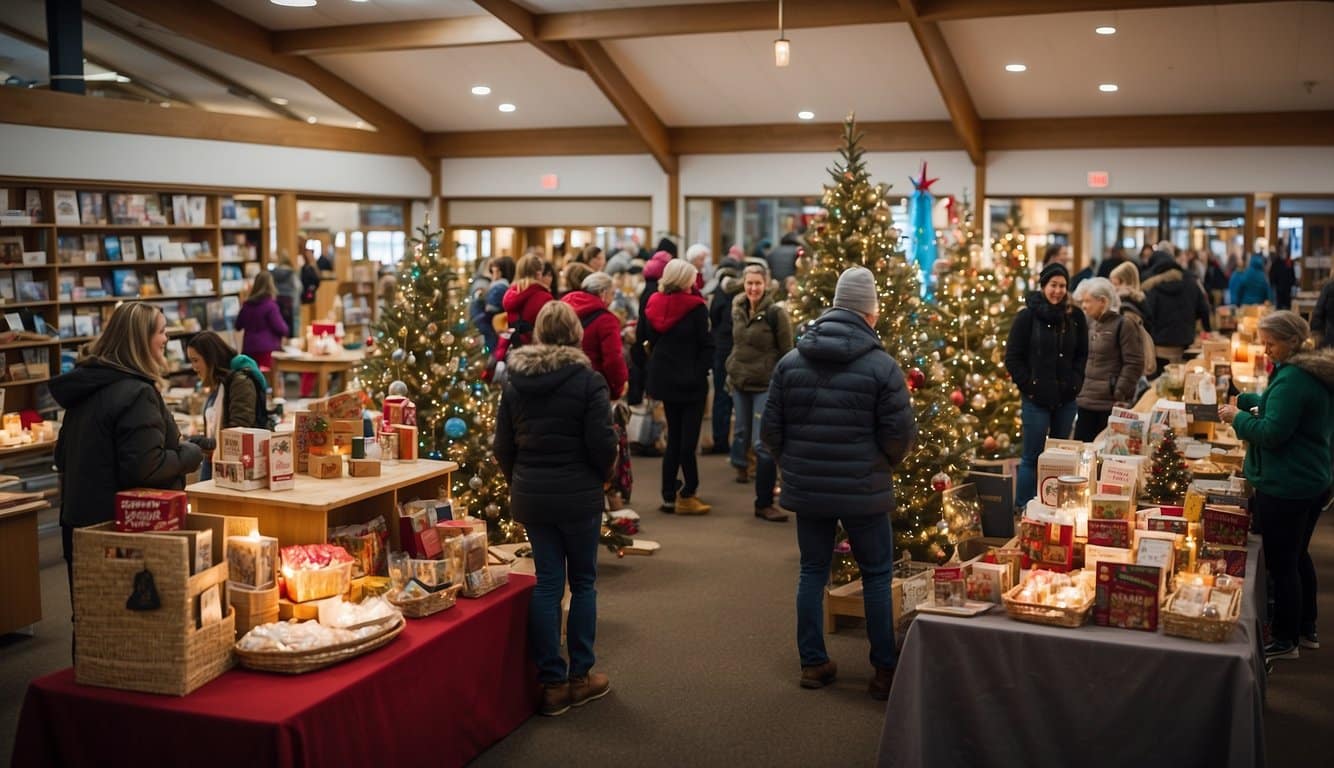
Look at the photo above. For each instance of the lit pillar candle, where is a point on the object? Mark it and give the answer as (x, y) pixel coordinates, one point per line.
(251, 559)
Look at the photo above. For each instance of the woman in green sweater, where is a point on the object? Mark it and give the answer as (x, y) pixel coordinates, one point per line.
(1288, 431)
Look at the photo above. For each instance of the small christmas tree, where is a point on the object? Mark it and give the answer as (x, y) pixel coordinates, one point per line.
(854, 229)
(1168, 476)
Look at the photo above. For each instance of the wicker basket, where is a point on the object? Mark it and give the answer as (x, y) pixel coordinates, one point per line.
(1199, 627)
(300, 662)
(1045, 614)
(157, 651)
(421, 607)
(500, 576)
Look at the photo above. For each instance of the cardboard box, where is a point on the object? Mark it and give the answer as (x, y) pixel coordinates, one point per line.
(363, 467)
(248, 446)
(252, 561)
(234, 475)
(1053, 463)
(301, 426)
(341, 433)
(326, 467)
(148, 509)
(407, 442)
(282, 461)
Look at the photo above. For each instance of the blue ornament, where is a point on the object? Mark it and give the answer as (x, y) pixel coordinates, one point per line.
(463, 363)
(477, 388)
(456, 427)
(923, 232)
(435, 455)
(397, 355)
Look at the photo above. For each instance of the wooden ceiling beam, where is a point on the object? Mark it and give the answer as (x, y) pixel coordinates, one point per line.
(597, 140)
(232, 87)
(221, 29)
(521, 20)
(1259, 129)
(945, 70)
(50, 109)
(394, 36)
(954, 10)
(914, 136)
(661, 20)
(613, 83)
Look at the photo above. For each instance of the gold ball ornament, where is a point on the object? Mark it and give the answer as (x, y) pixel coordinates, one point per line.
(979, 402)
(1003, 441)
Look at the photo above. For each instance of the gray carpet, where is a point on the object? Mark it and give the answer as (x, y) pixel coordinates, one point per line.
(698, 641)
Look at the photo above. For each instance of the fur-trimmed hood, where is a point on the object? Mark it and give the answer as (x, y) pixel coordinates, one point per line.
(537, 359)
(1319, 364)
(1169, 280)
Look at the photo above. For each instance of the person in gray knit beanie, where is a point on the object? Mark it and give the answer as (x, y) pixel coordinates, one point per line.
(856, 291)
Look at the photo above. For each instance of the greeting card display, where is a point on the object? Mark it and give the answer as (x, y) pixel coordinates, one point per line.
(1105, 507)
(988, 581)
(1127, 596)
(1225, 526)
(1110, 533)
(1049, 545)
(1125, 432)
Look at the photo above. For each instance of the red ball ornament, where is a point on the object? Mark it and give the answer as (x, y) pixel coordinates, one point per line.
(916, 379)
(989, 444)
(940, 481)
(956, 397)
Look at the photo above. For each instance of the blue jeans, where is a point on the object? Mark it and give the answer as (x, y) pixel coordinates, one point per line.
(1039, 423)
(749, 412)
(722, 405)
(873, 546)
(559, 548)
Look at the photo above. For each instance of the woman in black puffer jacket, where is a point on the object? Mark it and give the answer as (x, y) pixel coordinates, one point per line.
(1045, 355)
(555, 444)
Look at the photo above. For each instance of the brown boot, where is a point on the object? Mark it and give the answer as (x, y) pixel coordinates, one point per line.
(590, 687)
(879, 685)
(742, 474)
(819, 675)
(691, 505)
(555, 698)
(771, 513)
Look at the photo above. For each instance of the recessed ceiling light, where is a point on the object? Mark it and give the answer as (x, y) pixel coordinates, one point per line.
(361, 123)
(164, 104)
(280, 101)
(1016, 67)
(122, 79)
(294, 3)
(1105, 30)
(312, 119)
(507, 107)
(481, 90)
(1108, 88)
(805, 114)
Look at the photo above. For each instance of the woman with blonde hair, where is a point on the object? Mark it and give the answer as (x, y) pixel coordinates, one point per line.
(1287, 432)
(675, 335)
(262, 322)
(555, 444)
(1115, 357)
(117, 432)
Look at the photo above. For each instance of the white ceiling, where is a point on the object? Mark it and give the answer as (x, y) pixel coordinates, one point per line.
(331, 13)
(1223, 58)
(876, 70)
(432, 88)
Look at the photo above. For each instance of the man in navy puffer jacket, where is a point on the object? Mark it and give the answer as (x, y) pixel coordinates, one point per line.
(838, 420)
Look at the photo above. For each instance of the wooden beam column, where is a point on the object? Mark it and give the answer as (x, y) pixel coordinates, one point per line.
(949, 80)
(521, 20)
(1250, 226)
(641, 117)
(287, 227)
(674, 207)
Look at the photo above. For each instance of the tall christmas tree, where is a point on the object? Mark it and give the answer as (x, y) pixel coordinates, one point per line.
(1011, 245)
(979, 304)
(854, 229)
(423, 339)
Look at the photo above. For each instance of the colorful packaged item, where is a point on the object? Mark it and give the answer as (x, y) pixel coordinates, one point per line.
(148, 509)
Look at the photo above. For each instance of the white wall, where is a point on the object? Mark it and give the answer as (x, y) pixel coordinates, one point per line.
(94, 155)
(578, 176)
(1239, 170)
(804, 174)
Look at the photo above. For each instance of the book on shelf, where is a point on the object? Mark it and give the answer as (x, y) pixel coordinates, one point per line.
(6, 287)
(202, 286)
(197, 209)
(153, 246)
(67, 207)
(94, 288)
(118, 203)
(217, 321)
(29, 289)
(230, 252)
(68, 359)
(11, 250)
(13, 322)
(91, 211)
(175, 354)
(125, 282)
(85, 324)
(111, 246)
(153, 213)
(192, 250)
(180, 210)
(251, 268)
(69, 249)
(231, 307)
(34, 258)
(92, 248)
(173, 251)
(128, 250)
(227, 206)
(32, 205)
(148, 284)
(66, 321)
(66, 284)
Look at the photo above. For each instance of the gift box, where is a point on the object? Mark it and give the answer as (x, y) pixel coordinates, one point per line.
(344, 405)
(326, 467)
(1127, 596)
(399, 410)
(1224, 525)
(1110, 533)
(1053, 463)
(416, 534)
(249, 446)
(234, 475)
(363, 467)
(1106, 507)
(342, 432)
(146, 509)
(1223, 559)
(407, 442)
(252, 560)
(315, 571)
(301, 439)
(282, 461)
(1048, 545)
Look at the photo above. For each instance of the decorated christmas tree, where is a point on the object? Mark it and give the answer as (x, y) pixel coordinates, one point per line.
(423, 339)
(979, 303)
(854, 229)
(1010, 245)
(1168, 476)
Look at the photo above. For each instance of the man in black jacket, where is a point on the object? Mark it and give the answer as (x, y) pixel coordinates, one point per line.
(726, 287)
(1175, 302)
(838, 420)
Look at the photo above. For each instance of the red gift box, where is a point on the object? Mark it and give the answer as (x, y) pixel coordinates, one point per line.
(1110, 533)
(417, 536)
(1127, 596)
(1050, 546)
(1233, 559)
(149, 509)
(1225, 526)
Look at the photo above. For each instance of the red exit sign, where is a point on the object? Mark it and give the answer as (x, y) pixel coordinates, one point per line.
(1099, 179)
(550, 181)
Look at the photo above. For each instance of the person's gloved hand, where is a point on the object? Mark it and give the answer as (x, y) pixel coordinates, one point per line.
(191, 456)
(204, 442)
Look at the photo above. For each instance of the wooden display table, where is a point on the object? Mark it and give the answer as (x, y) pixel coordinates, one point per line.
(304, 514)
(19, 572)
(323, 366)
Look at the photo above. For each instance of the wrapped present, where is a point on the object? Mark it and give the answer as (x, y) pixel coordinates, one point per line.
(252, 560)
(249, 446)
(366, 543)
(148, 509)
(315, 571)
(1127, 596)
(326, 467)
(398, 409)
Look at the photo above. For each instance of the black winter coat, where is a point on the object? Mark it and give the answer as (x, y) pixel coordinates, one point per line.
(681, 357)
(117, 434)
(1046, 351)
(1322, 318)
(1175, 302)
(838, 420)
(720, 309)
(783, 258)
(553, 438)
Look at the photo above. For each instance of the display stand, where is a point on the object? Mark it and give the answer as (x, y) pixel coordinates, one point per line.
(22, 606)
(323, 366)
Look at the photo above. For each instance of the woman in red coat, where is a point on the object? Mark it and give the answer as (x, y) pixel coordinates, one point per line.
(602, 330)
(522, 302)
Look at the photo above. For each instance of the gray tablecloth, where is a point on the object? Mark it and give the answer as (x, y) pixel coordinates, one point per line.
(991, 691)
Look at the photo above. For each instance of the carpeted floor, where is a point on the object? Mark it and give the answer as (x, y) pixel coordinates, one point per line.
(698, 641)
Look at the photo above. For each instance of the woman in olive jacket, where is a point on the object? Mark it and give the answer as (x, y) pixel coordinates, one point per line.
(117, 432)
(1045, 355)
(555, 444)
(1115, 357)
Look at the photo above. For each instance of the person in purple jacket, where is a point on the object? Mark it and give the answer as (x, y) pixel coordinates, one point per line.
(262, 322)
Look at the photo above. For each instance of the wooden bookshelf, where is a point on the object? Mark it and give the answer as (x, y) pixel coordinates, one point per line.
(86, 250)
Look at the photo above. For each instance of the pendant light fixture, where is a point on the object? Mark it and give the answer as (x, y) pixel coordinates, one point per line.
(782, 48)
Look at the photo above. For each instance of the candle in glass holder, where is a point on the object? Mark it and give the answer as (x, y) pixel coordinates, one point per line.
(13, 424)
(251, 559)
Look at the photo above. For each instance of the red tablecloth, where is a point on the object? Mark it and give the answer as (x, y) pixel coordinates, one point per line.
(450, 686)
